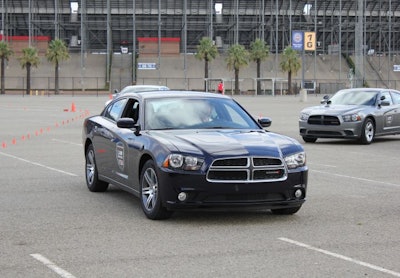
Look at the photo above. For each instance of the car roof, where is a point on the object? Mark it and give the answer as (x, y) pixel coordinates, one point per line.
(174, 93)
(368, 89)
(138, 88)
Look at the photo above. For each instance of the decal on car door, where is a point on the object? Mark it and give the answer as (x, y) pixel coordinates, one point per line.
(120, 155)
(389, 120)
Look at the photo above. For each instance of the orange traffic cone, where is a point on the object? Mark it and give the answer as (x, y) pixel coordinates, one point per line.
(73, 108)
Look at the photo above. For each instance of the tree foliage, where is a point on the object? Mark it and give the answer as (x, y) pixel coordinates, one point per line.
(291, 64)
(56, 53)
(29, 59)
(259, 51)
(207, 51)
(5, 53)
(237, 58)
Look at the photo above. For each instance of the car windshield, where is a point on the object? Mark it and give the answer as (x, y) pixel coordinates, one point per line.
(349, 97)
(190, 113)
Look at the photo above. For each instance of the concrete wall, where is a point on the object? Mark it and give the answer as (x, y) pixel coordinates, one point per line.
(173, 73)
(70, 73)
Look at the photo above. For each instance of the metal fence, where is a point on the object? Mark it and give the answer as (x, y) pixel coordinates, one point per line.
(45, 85)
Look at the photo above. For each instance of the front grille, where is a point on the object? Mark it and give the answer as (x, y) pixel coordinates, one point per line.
(323, 120)
(247, 169)
(324, 133)
(244, 198)
(234, 162)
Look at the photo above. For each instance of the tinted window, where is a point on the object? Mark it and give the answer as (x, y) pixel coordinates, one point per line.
(387, 97)
(131, 110)
(114, 110)
(396, 98)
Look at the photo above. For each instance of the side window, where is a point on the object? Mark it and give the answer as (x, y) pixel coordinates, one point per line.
(387, 97)
(114, 111)
(132, 110)
(396, 98)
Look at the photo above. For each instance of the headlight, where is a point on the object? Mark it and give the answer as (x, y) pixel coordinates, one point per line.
(351, 118)
(296, 160)
(179, 161)
(304, 116)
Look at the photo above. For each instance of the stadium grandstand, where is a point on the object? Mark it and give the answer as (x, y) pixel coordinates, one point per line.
(114, 43)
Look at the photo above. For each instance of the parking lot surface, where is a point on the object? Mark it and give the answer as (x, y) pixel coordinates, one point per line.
(52, 226)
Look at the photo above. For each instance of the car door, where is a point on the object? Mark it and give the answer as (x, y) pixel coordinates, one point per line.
(105, 136)
(126, 146)
(388, 114)
(396, 104)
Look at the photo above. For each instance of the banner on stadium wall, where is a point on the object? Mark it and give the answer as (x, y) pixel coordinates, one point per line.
(297, 40)
(303, 41)
(309, 41)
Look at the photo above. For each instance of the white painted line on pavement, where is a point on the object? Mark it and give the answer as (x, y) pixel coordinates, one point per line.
(357, 178)
(38, 164)
(67, 142)
(52, 266)
(324, 165)
(336, 255)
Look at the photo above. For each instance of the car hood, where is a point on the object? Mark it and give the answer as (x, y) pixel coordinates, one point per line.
(228, 142)
(332, 109)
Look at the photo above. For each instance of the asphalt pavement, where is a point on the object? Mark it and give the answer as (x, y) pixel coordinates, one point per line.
(52, 226)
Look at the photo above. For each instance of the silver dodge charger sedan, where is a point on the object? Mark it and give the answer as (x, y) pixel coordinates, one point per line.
(358, 113)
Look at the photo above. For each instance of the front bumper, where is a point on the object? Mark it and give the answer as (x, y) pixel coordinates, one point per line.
(204, 194)
(351, 130)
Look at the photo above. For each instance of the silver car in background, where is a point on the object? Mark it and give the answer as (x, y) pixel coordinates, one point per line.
(136, 89)
(358, 113)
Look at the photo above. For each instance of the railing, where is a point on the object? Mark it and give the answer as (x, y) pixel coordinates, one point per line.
(97, 85)
(67, 85)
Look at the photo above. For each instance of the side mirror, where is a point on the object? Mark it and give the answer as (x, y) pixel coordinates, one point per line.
(116, 91)
(384, 103)
(265, 122)
(126, 123)
(325, 99)
(129, 123)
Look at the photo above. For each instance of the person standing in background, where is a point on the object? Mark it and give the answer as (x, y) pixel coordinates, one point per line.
(220, 87)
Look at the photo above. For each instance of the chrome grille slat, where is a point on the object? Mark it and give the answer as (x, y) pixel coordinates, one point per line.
(231, 162)
(247, 170)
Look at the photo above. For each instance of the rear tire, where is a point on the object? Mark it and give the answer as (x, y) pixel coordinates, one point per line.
(92, 180)
(286, 211)
(367, 132)
(150, 196)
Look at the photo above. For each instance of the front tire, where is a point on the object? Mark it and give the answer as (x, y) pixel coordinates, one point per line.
(92, 180)
(150, 196)
(367, 132)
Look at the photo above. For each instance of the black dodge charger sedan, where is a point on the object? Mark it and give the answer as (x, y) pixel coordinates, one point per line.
(192, 150)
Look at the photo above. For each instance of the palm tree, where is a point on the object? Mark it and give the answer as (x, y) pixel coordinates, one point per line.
(259, 51)
(238, 57)
(5, 53)
(207, 51)
(57, 52)
(29, 58)
(290, 63)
